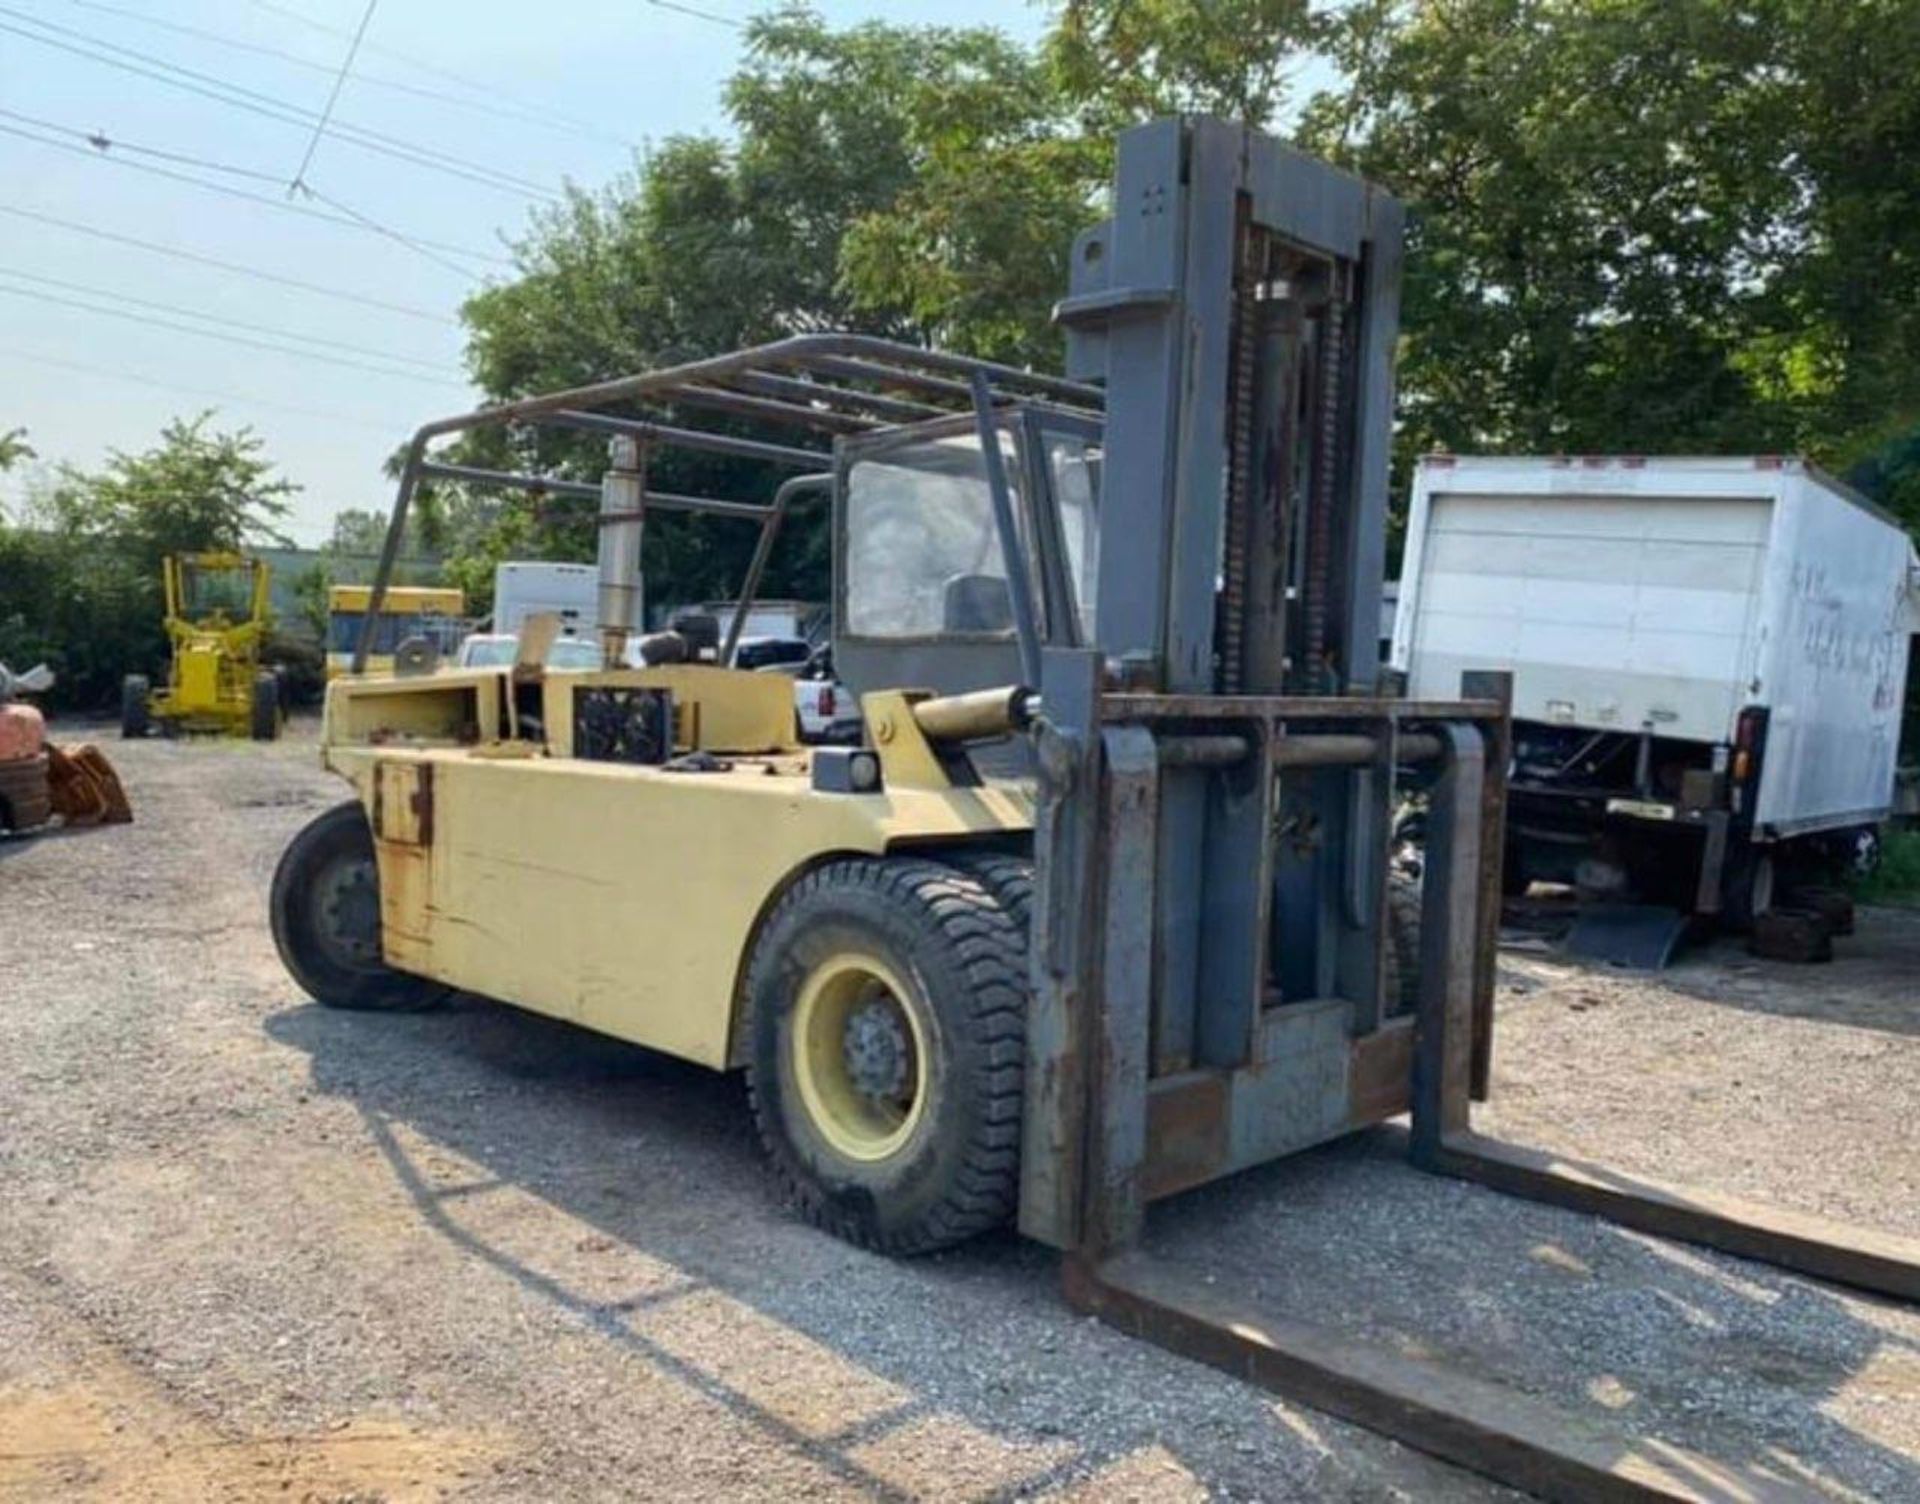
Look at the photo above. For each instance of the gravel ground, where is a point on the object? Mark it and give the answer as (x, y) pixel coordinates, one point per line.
(253, 1249)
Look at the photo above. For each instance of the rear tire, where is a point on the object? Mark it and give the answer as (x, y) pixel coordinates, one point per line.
(136, 717)
(1750, 886)
(324, 908)
(1400, 986)
(1832, 904)
(264, 720)
(888, 1006)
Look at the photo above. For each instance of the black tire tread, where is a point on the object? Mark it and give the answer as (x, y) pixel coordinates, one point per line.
(136, 717)
(989, 946)
(1400, 990)
(263, 710)
(383, 990)
(1007, 878)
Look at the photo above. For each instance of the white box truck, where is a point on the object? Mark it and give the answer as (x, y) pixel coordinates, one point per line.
(1709, 662)
(523, 588)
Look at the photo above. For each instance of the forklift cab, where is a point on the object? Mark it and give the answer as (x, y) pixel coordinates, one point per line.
(925, 584)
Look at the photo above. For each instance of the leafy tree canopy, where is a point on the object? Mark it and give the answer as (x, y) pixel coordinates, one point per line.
(80, 576)
(1636, 225)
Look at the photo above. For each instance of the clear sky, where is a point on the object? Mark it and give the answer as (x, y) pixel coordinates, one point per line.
(486, 88)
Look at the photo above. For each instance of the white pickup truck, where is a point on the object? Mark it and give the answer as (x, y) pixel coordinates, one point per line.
(1709, 662)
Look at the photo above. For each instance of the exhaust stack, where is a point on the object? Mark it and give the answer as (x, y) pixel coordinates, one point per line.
(622, 523)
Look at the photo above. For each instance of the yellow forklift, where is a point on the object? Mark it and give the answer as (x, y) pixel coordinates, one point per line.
(1103, 906)
(217, 617)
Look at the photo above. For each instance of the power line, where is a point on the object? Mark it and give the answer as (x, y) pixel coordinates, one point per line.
(239, 96)
(100, 141)
(238, 269)
(231, 339)
(213, 318)
(137, 379)
(419, 247)
(333, 97)
(698, 14)
(306, 210)
(492, 90)
(558, 123)
(236, 96)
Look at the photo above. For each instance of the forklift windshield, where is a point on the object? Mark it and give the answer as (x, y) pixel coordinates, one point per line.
(923, 556)
(209, 590)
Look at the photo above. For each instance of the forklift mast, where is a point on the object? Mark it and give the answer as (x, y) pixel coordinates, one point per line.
(1215, 980)
(1240, 308)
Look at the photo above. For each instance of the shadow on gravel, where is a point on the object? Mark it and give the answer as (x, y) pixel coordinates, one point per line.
(662, 1157)
(1869, 984)
(1737, 1360)
(18, 843)
(658, 1159)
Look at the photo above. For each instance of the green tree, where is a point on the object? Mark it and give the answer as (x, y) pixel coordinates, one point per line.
(1645, 225)
(14, 448)
(1637, 225)
(80, 573)
(823, 212)
(1123, 61)
(197, 490)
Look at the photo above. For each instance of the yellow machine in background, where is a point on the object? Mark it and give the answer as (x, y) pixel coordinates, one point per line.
(217, 617)
(434, 612)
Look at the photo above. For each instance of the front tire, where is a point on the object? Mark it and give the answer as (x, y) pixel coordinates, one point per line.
(264, 717)
(888, 1004)
(136, 717)
(324, 908)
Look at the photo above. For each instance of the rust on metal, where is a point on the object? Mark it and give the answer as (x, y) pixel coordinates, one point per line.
(1187, 1140)
(1381, 1075)
(421, 802)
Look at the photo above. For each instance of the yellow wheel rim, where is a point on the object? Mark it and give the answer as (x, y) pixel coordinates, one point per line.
(859, 1054)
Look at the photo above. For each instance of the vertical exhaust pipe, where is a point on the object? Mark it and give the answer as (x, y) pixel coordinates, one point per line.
(622, 524)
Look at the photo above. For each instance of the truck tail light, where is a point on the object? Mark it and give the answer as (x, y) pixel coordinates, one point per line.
(826, 701)
(1748, 733)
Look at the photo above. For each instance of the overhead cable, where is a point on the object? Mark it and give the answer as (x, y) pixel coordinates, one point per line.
(298, 180)
(520, 116)
(115, 294)
(231, 339)
(180, 253)
(237, 96)
(272, 202)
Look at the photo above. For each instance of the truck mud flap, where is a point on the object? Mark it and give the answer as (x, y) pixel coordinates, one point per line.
(1638, 936)
(1477, 1424)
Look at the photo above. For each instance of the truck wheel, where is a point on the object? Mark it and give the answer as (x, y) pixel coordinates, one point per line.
(1862, 852)
(135, 717)
(324, 908)
(888, 1004)
(264, 721)
(1008, 878)
(1749, 887)
(1834, 905)
(1400, 983)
